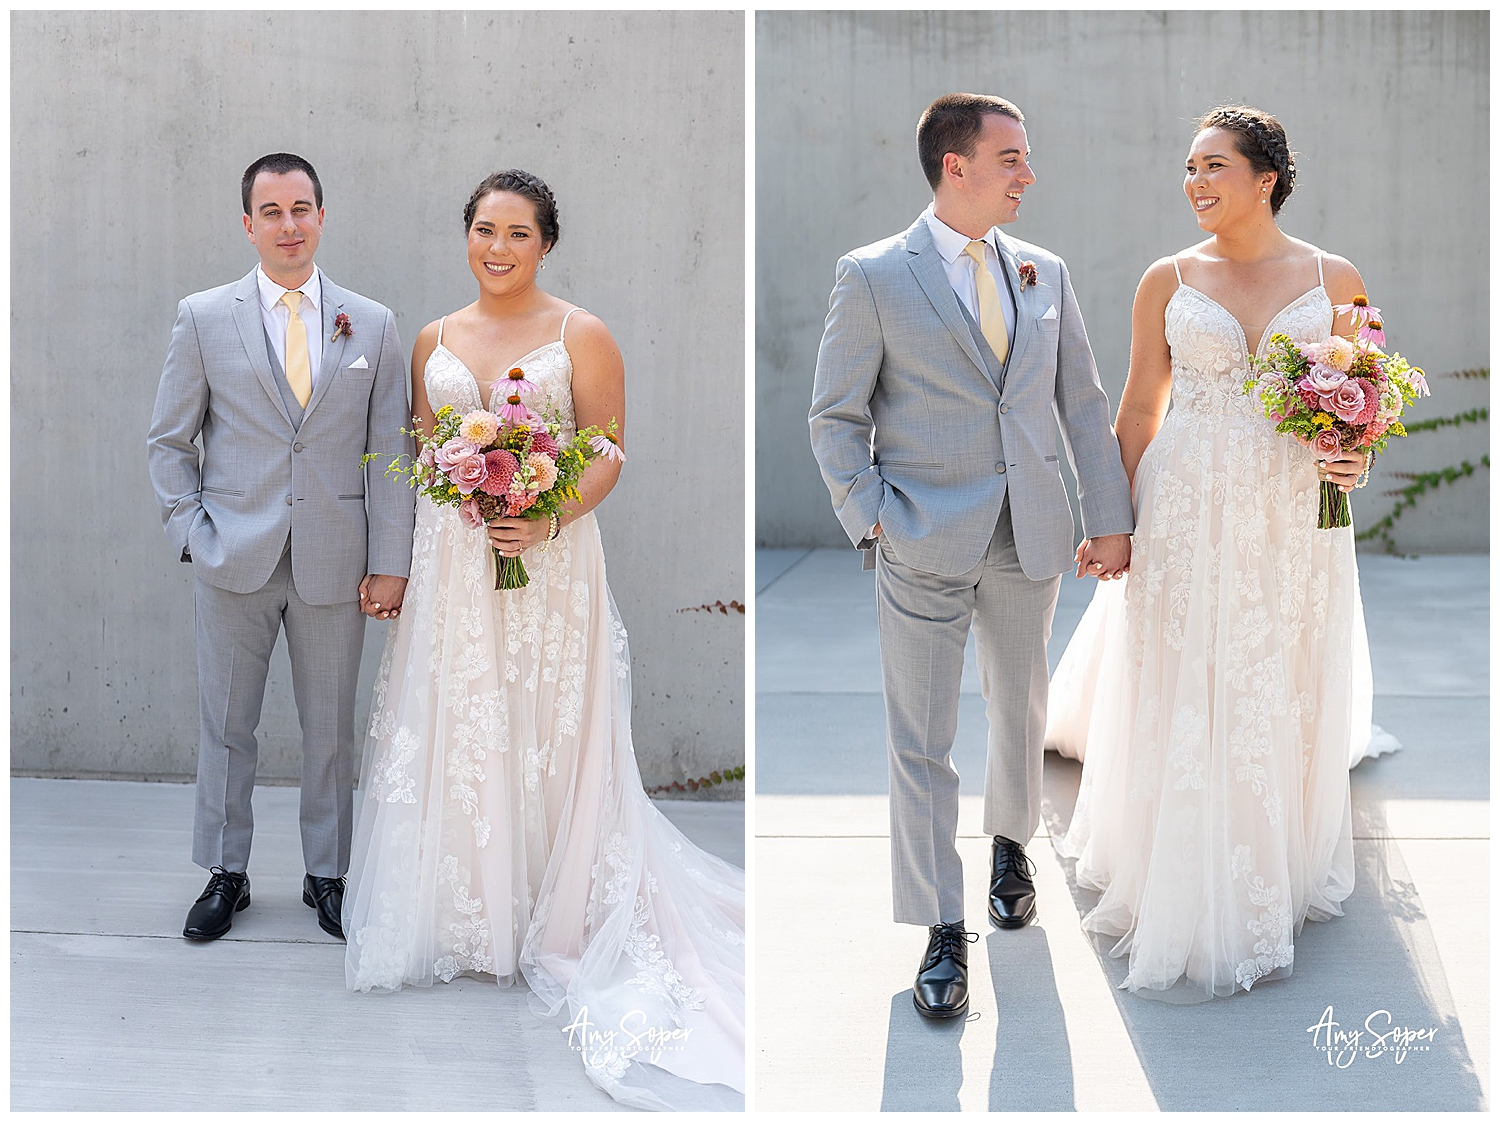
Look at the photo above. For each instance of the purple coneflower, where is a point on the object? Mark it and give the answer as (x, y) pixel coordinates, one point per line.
(519, 383)
(1360, 309)
(1372, 332)
(607, 447)
(513, 410)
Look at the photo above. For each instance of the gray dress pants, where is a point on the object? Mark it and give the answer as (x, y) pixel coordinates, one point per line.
(924, 623)
(235, 635)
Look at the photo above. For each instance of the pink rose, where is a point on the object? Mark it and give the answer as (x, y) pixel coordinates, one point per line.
(469, 515)
(1327, 445)
(428, 458)
(501, 467)
(468, 473)
(453, 453)
(1349, 401)
(1325, 382)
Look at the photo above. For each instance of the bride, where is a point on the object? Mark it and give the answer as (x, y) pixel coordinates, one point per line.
(502, 829)
(1223, 690)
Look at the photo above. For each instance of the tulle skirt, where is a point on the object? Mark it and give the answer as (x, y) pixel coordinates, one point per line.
(502, 829)
(1217, 697)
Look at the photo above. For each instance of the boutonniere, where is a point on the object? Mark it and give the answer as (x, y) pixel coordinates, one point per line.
(1027, 270)
(341, 326)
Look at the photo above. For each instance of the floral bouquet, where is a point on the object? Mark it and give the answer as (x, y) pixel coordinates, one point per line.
(510, 465)
(1337, 396)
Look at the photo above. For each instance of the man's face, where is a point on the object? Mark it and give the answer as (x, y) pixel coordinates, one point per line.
(284, 224)
(998, 172)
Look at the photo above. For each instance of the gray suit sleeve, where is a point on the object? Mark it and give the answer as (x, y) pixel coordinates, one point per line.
(181, 405)
(390, 503)
(1082, 409)
(849, 360)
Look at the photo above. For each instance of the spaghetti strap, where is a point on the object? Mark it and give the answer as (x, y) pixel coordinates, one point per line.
(1175, 269)
(1320, 268)
(567, 317)
(440, 331)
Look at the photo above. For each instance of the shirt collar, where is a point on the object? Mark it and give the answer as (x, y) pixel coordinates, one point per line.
(950, 243)
(271, 292)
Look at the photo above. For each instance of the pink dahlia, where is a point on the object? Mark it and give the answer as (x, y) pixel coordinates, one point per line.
(479, 427)
(501, 469)
(543, 471)
(541, 441)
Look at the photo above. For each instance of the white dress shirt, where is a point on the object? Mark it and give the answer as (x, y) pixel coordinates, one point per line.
(960, 268)
(273, 313)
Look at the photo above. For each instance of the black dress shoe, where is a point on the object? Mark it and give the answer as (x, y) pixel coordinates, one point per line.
(326, 895)
(942, 985)
(213, 914)
(1012, 896)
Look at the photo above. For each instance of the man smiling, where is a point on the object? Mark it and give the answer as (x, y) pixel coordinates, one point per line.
(287, 380)
(950, 357)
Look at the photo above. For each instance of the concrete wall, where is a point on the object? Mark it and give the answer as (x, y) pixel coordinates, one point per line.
(1389, 112)
(130, 131)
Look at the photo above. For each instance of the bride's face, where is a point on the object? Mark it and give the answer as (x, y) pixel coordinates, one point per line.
(505, 243)
(1221, 186)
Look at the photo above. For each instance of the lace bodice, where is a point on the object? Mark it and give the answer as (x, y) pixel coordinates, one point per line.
(449, 382)
(1210, 355)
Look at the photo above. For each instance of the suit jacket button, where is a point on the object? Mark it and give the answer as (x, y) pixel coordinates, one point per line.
(1000, 468)
(297, 447)
(289, 500)
(1005, 407)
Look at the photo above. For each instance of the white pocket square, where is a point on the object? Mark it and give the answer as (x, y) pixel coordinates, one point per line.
(1050, 313)
(358, 364)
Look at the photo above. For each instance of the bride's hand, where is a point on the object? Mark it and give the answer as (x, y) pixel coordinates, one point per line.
(513, 536)
(1345, 471)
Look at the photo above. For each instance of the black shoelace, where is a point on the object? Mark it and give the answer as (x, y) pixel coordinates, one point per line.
(222, 881)
(1011, 858)
(949, 939)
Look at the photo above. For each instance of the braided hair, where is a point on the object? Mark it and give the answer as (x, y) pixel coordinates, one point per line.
(528, 186)
(1261, 140)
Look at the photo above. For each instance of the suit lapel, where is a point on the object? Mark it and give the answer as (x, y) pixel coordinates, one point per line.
(333, 349)
(252, 331)
(927, 266)
(1025, 313)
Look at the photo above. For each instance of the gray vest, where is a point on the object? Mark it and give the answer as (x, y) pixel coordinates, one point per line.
(288, 398)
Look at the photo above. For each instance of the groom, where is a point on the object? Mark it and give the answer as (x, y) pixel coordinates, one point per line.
(947, 353)
(286, 379)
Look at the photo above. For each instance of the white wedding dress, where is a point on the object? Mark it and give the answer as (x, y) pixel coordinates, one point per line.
(502, 829)
(1219, 694)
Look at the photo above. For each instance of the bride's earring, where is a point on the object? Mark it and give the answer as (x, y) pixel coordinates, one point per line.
(543, 265)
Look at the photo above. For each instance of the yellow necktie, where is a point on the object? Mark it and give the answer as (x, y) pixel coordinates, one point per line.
(991, 314)
(298, 365)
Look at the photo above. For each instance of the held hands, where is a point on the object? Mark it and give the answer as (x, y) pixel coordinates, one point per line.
(513, 536)
(380, 596)
(1106, 558)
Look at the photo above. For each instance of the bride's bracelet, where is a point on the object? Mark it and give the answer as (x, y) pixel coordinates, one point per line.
(554, 527)
(1364, 476)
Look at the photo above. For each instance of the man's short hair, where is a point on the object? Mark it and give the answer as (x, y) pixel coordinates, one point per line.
(953, 123)
(278, 163)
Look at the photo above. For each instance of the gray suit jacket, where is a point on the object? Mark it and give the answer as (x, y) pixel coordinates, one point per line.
(263, 475)
(912, 430)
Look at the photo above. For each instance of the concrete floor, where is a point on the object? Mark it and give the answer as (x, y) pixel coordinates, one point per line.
(111, 1009)
(1047, 1029)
